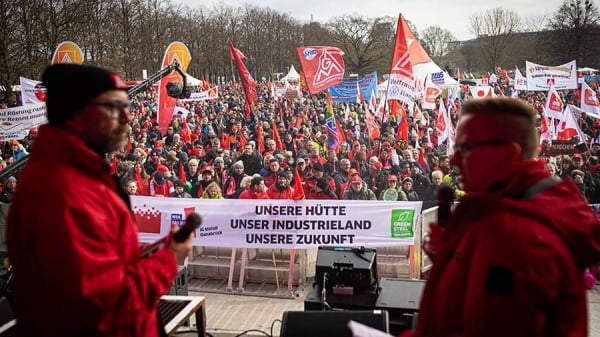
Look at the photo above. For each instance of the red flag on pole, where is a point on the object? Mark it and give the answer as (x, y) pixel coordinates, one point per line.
(402, 136)
(181, 173)
(276, 137)
(401, 82)
(185, 133)
(243, 140)
(248, 83)
(260, 145)
(298, 190)
(323, 67)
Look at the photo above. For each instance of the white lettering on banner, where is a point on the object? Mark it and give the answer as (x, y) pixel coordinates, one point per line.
(282, 223)
(16, 122)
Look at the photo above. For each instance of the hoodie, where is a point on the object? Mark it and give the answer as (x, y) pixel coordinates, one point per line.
(510, 265)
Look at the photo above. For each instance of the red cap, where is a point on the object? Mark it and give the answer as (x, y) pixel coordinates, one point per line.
(352, 172)
(377, 165)
(392, 177)
(356, 179)
(577, 155)
(162, 169)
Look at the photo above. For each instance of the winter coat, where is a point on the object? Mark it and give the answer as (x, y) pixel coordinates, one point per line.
(73, 243)
(510, 264)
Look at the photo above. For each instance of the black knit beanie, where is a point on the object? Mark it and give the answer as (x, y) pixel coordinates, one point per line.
(70, 87)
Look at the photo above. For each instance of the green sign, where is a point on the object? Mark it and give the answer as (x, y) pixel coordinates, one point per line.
(402, 223)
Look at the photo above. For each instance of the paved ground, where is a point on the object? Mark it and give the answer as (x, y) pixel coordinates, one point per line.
(230, 315)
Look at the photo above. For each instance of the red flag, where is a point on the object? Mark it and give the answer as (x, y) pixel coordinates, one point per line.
(185, 133)
(422, 160)
(260, 145)
(323, 67)
(248, 83)
(138, 179)
(113, 164)
(298, 190)
(402, 135)
(402, 79)
(225, 140)
(395, 109)
(276, 137)
(243, 140)
(182, 173)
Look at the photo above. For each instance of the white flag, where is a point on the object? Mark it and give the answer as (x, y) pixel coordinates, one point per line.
(520, 80)
(568, 127)
(431, 94)
(33, 91)
(589, 101)
(554, 105)
(442, 124)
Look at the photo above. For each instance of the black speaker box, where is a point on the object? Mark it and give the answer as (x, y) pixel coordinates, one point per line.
(330, 323)
(347, 267)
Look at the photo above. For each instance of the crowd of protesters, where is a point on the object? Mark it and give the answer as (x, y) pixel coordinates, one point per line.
(214, 149)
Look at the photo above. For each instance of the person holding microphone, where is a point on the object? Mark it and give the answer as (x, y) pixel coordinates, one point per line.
(72, 238)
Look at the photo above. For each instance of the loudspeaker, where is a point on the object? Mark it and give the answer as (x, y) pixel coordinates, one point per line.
(345, 267)
(330, 323)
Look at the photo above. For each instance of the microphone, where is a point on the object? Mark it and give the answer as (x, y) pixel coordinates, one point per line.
(445, 195)
(192, 222)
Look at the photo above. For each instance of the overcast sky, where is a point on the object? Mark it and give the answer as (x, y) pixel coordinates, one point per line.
(450, 14)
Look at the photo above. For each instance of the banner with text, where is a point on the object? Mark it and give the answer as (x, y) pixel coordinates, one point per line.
(16, 122)
(281, 223)
(346, 91)
(212, 93)
(540, 77)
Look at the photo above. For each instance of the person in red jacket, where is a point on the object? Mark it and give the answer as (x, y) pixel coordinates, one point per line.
(281, 189)
(256, 190)
(72, 239)
(511, 258)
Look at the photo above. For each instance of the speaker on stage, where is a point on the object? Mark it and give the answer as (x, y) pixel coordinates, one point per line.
(347, 270)
(330, 323)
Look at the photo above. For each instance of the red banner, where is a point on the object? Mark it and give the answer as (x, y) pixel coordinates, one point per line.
(323, 67)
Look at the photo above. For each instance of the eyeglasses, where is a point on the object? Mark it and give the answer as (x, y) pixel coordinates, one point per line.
(115, 108)
(461, 149)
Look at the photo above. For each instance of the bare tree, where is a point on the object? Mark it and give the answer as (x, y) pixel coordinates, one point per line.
(361, 39)
(495, 29)
(573, 24)
(436, 41)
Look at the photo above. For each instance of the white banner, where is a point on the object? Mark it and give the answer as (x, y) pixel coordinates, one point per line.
(282, 223)
(212, 93)
(32, 91)
(540, 77)
(16, 122)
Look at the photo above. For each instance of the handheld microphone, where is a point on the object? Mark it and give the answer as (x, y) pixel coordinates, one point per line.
(192, 222)
(445, 195)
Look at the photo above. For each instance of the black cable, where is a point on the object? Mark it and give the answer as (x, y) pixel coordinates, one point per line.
(253, 330)
(273, 324)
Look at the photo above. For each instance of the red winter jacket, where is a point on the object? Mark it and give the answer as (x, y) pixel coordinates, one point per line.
(512, 266)
(74, 246)
(275, 193)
